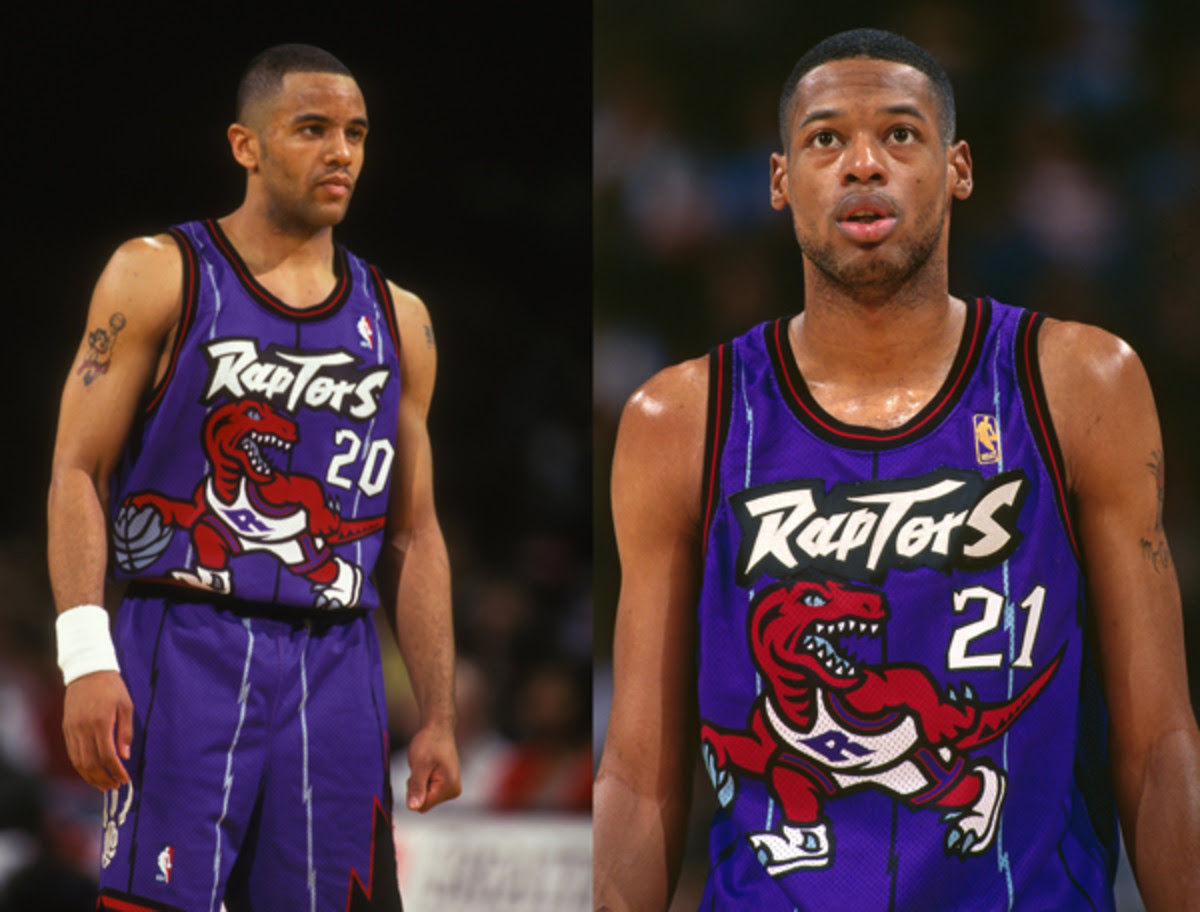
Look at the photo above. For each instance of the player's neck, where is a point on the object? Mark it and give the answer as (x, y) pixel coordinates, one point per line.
(295, 265)
(876, 362)
(267, 246)
(882, 326)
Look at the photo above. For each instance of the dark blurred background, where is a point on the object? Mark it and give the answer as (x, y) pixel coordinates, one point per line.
(474, 195)
(1082, 118)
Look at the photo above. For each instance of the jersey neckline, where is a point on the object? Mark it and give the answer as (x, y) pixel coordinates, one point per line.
(332, 302)
(802, 403)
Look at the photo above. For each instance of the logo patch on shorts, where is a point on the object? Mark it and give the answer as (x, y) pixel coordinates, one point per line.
(166, 861)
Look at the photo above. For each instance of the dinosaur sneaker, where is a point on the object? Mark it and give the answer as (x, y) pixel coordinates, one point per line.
(972, 831)
(794, 847)
(345, 589)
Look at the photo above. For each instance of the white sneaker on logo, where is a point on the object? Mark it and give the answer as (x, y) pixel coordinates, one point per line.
(345, 589)
(793, 847)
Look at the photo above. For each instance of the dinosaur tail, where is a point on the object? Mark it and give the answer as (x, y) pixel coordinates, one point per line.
(349, 530)
(995, 719)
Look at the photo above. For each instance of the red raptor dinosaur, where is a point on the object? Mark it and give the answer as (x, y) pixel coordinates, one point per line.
(248, 504)
(824, 725)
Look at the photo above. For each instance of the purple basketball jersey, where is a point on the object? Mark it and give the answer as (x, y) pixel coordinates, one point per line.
(262, 462)
(898, 709)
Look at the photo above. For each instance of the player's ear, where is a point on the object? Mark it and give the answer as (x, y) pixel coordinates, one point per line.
(243, 142)
(962, 181)
(779, 197)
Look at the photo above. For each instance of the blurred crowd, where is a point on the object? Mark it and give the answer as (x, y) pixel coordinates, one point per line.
(1086, 145)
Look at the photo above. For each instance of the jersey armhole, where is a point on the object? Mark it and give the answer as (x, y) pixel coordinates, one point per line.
(387, 305)
(187, 315)
(1037, 413)
(720, 395)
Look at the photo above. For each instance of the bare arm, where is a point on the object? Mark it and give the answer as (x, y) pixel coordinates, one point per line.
(1103, 408)
(414, 569)
(134, 307)
(643, 789)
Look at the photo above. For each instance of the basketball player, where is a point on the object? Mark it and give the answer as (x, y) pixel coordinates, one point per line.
(891, 564)
(247, 416)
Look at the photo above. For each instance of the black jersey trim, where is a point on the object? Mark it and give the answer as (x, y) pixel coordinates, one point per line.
(173, 591)
(187, 315)
(720, 396)
(1037, 413)
(831, 430)
(331, 304)
(387, 305)
(115, 901)
(381, 893)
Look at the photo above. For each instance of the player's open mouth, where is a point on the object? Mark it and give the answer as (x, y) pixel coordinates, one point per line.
(866, 217)
(252, 445)
(867, 228)
(822, 641)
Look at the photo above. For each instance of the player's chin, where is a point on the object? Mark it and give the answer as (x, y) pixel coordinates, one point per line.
(326, 214)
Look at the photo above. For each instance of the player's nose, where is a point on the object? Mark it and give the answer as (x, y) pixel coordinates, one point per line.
(862, 160)
(338, 150)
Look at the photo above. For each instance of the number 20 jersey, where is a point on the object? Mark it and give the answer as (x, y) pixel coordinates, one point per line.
(898, 706)
(260, 467)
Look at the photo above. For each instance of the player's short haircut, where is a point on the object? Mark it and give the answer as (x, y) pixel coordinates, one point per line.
(264, 74)
(873, 44)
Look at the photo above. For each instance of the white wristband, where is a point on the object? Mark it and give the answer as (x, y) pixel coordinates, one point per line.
(84, 643)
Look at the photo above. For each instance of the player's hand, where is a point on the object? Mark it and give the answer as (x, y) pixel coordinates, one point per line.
(96, 706)
(433, 760)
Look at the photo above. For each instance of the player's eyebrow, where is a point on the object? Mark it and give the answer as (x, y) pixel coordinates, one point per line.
(314, 117)
(910, 110)
(821, 114)
(830, 113)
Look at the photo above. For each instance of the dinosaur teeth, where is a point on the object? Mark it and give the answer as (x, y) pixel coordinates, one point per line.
(847, 625)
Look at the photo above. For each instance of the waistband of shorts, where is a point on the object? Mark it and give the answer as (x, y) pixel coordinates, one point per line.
(191, 595)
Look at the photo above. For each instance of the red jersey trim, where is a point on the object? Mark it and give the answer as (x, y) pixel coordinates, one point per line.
(387, 305)
(1037, 412)
(187, 313)
(720, 395)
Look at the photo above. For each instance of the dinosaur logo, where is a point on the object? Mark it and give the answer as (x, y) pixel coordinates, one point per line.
(826, 725)
(247, 504)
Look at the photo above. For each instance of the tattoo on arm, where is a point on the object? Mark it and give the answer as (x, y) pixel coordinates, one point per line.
(1157, 552)
(428, 335)
(100, 343)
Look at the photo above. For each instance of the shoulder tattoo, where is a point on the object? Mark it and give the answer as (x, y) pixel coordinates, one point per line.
(100, 344)
(1157, 552)
(429, 335)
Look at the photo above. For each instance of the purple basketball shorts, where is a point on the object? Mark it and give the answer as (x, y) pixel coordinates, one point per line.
(258, 767)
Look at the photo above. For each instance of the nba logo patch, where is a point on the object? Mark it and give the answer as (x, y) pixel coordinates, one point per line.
(366, 333)
(166, 860)
(987, 440)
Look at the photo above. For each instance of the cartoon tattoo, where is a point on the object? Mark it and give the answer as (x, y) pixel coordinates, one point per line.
(100, 343)
(429, 335)
(1157, 553)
